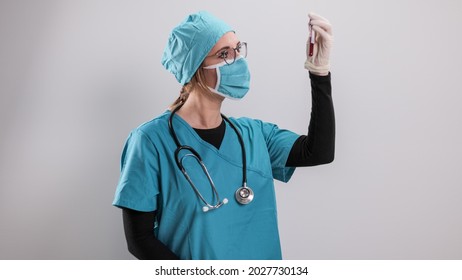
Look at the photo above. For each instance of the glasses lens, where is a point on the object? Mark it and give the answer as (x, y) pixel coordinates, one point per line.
(240, 50)
(229, 59)
(243, 49)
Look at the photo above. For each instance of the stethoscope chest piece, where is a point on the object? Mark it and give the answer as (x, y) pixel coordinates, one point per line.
(244, 195)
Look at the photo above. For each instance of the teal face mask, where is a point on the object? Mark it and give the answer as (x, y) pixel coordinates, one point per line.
(233, 81)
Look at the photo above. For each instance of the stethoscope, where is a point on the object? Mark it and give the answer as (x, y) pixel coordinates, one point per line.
(244, 194)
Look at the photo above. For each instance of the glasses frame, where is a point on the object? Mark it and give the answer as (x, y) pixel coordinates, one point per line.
(236, 50)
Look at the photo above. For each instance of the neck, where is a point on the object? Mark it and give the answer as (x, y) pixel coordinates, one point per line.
(202, 110)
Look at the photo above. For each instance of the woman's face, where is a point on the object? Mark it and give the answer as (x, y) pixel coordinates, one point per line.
(227, 41)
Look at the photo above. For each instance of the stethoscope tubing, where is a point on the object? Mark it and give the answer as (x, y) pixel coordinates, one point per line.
(185, 147)
(193, 153)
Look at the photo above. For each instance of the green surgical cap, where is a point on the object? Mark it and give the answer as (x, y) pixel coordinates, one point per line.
(190, 42)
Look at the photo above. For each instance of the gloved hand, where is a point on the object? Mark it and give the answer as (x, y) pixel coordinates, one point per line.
(318, 64)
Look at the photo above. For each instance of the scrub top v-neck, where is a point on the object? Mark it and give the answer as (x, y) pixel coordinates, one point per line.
(213, 136)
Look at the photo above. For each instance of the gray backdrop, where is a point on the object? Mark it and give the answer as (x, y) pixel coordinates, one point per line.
(77, 76)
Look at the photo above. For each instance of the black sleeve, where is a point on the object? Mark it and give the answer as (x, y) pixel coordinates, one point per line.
(139, 232)
(318, 147)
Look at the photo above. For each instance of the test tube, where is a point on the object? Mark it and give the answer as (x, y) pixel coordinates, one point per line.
(312, 35)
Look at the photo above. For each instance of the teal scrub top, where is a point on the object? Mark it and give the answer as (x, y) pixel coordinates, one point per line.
(150, 180)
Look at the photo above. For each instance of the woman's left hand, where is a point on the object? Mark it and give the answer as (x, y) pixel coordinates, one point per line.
(318, 63)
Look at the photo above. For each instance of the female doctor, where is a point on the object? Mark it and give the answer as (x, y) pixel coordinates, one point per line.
(195, 184)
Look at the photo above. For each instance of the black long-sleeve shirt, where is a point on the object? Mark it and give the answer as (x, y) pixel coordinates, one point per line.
(315, 148)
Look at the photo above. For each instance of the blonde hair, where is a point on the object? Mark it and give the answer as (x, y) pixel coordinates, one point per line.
(197, 83)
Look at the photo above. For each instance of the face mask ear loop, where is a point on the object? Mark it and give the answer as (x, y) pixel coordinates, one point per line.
(218, 74)
(218, 78)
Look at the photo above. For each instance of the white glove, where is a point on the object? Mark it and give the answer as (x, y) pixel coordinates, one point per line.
(318, 63)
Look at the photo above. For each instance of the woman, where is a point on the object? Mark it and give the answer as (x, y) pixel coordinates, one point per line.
(196, 185)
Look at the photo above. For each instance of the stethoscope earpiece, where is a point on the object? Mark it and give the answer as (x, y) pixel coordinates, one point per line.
(208, 207)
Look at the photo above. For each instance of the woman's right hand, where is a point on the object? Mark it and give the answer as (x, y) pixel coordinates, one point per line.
(318, 63)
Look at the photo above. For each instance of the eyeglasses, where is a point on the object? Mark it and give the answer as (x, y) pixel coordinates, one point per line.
(229, 54)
